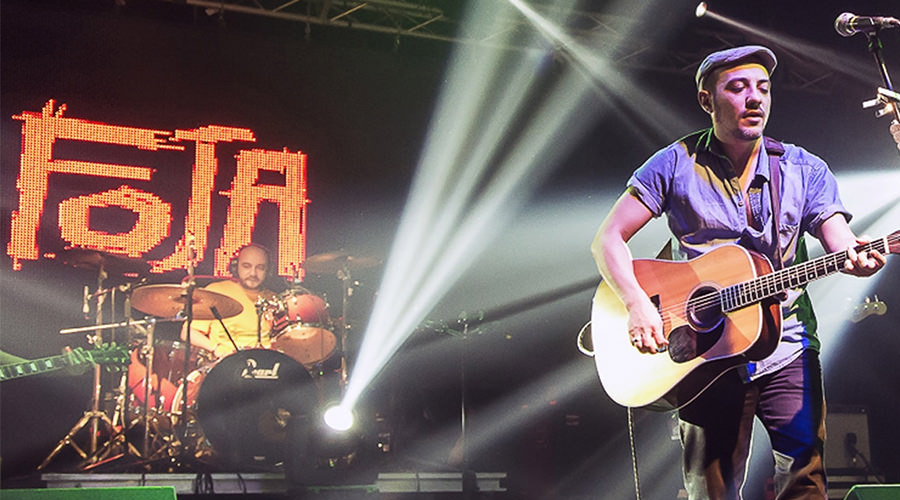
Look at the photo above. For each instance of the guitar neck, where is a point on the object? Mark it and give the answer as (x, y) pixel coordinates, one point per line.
(752, 291)
(35, 366)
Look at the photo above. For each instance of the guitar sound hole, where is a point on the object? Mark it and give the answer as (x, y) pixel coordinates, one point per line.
(704, 309)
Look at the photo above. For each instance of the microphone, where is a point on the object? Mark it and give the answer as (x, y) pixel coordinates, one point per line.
(848, 24)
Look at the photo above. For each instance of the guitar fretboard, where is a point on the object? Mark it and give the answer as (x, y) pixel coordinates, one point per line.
(752, 291)
(33, 367)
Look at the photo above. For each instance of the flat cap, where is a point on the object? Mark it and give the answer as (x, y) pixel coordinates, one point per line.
(733, 57)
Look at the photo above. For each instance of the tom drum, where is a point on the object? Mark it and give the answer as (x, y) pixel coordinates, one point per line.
(303, 328)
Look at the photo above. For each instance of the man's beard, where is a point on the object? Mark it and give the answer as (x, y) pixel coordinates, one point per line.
(251, 284)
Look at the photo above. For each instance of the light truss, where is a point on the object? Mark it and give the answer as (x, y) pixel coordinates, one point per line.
(440, 20)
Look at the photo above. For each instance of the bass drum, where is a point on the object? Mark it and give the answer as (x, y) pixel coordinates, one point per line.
(168, 368)
(249, 404)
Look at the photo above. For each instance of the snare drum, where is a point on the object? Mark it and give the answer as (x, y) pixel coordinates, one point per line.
(168, 368)
(246, 403)
(303, 328)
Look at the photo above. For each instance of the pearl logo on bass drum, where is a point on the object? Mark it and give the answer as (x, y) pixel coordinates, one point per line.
(253, 371)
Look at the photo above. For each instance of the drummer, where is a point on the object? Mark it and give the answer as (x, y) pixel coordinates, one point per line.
(249, 269)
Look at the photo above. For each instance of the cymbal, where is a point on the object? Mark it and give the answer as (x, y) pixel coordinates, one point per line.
(94, 260)
(332, 262)
(166, 301)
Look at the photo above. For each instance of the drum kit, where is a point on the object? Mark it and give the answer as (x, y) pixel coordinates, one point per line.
(176, 406)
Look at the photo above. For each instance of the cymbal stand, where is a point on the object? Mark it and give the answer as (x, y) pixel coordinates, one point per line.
(346, 293)
(94, 415)
(148, 349)
(189, 284)
(118, 444)
(469, 482)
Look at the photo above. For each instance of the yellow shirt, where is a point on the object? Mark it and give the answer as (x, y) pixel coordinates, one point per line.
(242, 327)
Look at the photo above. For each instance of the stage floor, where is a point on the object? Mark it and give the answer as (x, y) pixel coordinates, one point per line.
(276, 483)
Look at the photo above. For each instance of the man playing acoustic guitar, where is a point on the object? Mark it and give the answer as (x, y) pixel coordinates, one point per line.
(720, 186)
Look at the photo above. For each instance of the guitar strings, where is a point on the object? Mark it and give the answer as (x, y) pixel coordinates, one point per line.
(765, 286)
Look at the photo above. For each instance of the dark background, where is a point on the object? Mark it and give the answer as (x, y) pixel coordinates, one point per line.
(360, 106)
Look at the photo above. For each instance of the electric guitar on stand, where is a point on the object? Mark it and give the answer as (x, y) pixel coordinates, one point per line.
(868, 308)
(719, 311)
(107, 354)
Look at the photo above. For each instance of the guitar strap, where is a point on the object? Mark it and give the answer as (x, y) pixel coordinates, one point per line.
(774, 150)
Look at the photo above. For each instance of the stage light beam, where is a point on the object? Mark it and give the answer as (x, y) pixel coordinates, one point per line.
(459, 202)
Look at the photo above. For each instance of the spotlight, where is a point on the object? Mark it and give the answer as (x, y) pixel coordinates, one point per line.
(339, 418)
(701, 9)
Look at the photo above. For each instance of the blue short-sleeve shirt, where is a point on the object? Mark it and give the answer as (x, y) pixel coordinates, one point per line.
(693, 185)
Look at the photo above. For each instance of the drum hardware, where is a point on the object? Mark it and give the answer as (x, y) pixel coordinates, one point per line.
(155, 369)
(117, 445)
(128, 323)
(152, 388)
(193, 308)
(347, 291)
(103, 264)
(341, 264)
(148, 350)
(188, 302)
(121, 440)
(215, 312)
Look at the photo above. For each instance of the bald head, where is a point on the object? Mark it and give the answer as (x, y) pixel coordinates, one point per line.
(252, 265)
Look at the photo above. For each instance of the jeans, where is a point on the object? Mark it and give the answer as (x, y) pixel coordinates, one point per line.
(716, 432)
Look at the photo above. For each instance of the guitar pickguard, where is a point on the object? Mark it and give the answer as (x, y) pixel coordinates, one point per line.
(686, 344)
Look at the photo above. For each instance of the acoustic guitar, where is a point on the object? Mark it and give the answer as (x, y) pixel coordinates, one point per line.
(719, 311)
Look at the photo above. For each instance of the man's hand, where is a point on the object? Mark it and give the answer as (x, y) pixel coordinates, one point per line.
(645, 327)
(864, 263)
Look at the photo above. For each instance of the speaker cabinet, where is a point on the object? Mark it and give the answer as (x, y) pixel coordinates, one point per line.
(847, 446)
(131, 493)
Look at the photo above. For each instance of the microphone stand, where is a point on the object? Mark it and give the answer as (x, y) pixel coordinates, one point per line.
(469, 478)
(875, 48)
(218, 316)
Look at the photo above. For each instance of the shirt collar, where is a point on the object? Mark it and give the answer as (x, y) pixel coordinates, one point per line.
(708, 144)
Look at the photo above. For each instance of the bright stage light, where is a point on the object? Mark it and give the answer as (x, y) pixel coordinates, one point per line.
(701, 9)
(339, 418)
